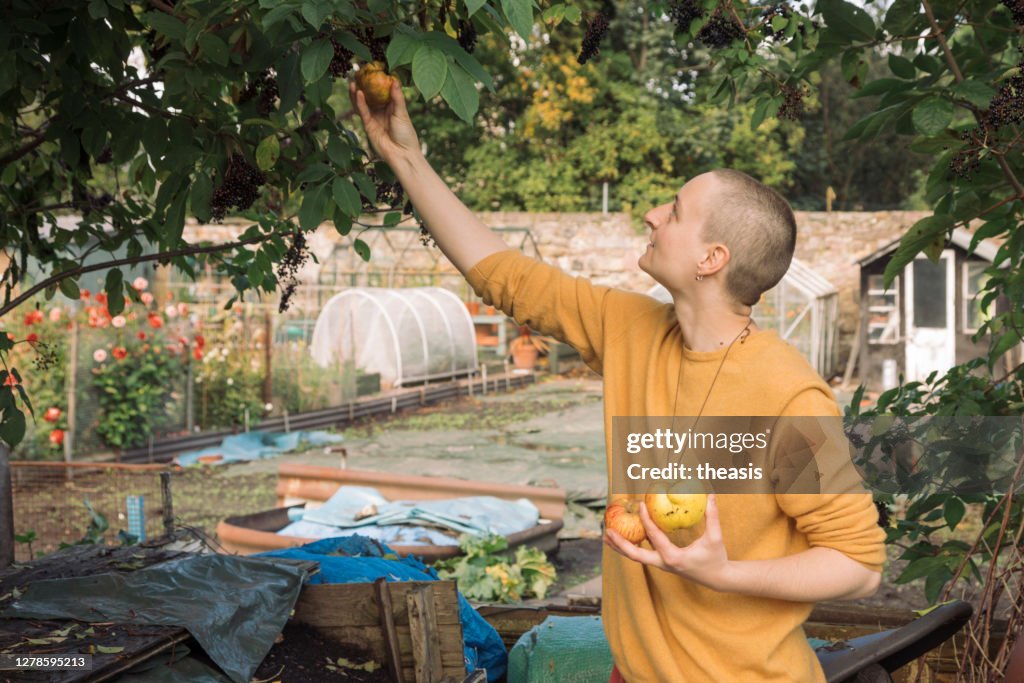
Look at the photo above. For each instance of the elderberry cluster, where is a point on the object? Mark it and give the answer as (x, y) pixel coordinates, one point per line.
(390, 194)
(47, 356)
(783, 11)
(1016, 8)
(597, 28)
(239, 189)
(289, 267)
(264, 87)
(720, 31)
(466, 35)
(341, 62)
(377, 46)
(792, 106)
(684, 12)
(1007, 106)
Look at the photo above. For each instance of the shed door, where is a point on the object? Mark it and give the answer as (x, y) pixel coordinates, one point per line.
(931, 336)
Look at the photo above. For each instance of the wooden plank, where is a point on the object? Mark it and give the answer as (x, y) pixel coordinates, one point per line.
(426, 641)
(352, 614)
(387, 622)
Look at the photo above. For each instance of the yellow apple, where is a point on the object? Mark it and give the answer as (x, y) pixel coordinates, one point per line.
(679, 507)
(623, 515)
(375, 82)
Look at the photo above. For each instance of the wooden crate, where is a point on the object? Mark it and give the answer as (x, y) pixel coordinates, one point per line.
(411, 626)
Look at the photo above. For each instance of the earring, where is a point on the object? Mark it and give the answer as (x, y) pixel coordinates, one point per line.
(700, 276)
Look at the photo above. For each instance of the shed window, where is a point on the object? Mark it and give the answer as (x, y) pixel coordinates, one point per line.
(883, 311)
(975, 278)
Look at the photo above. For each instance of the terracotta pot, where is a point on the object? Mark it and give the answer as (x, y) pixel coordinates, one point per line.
(525, 357)
(473, 307)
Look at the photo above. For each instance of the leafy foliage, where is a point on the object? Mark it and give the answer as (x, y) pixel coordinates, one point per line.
(483, 573)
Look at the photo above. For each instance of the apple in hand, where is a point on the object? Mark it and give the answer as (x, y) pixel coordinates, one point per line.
(681, 506)
(375, 82)
(623, 515)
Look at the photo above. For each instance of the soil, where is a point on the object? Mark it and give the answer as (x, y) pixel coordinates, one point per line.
(303, 654)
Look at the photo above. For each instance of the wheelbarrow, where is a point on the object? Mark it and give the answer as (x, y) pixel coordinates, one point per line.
(872, 658)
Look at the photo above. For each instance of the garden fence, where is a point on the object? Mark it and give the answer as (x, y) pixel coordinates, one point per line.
(50, 503)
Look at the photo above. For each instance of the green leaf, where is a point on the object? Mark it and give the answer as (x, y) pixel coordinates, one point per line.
(459, 91)
(429, 71)
(901, 15)
(933, 115)
(902, 67)
(922, 566)
(926, 232)
(354, 46)
(315, 60)
(338, 152)
(760, 111)
(362, 248)
(255, 274)
(954, 512)
(164, 23)
(312, 173)
(267, 152)
(402, 48)
(847, 18)
(12, 426)
(312, 12)
(277, 14)
(520, 15)
(69, 288)
(109, 649)
(199, 199)
(473, 5)
(976, 92)
(214, 49)
(392, 218)
(346, 197)
(314, 208)
(114, 287)
(928, 63)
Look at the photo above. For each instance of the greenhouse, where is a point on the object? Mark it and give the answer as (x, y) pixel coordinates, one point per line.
(803, 309)
(403, 336)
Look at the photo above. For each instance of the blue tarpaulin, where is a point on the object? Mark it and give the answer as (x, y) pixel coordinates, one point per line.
(405, 522)
(356, 559)
(257, 445)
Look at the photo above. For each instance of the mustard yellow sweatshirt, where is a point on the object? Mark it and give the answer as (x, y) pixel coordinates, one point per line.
(663, 628)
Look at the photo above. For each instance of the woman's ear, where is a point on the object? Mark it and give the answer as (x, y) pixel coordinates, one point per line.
(716, 258)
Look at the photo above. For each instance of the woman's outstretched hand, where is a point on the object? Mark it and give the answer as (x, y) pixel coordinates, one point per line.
(389, 130)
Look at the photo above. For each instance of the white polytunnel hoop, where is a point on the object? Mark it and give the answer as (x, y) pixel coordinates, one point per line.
(803, 308)
(406, 335)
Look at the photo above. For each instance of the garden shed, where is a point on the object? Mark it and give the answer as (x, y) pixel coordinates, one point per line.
(803, 308)
(405, 336)
(926, 320)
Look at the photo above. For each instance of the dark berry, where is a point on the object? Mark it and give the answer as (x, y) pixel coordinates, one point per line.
(263, 88)
(684, 12)
(720, 31)
(1016, 8)
(341, 62)
(772, 12)
(597, 28)
(239, 189)
(289, 267)
(467, 35)
(792, 106)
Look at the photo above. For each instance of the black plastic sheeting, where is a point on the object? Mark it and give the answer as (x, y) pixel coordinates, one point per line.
(233, 606)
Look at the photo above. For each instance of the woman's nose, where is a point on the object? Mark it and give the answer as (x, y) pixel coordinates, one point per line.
(653, 217)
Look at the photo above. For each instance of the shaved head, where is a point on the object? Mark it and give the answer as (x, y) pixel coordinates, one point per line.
(757, 225)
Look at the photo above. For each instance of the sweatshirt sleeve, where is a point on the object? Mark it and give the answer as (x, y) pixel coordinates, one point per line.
(571, 309)
(842, 515)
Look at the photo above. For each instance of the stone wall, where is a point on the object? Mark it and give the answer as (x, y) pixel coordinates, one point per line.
(602, 247)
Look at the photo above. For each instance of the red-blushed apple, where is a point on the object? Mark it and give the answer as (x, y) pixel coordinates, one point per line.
(623, 515)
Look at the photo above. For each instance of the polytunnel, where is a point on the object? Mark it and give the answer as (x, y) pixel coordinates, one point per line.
(803, 308)
(406, 335)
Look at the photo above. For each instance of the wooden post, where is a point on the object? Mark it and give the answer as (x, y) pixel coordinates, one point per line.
(6, 508)
(72, 384)
(268, 374)
(426, 641)
(387, 624)
(166, 503)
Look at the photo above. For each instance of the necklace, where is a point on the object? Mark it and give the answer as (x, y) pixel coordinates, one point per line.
(741, 338)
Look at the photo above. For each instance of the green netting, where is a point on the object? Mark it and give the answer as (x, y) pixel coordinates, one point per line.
(561, 649)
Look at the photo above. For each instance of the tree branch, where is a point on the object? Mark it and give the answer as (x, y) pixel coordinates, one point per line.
(955, 68)
(162, 256)
(40, 138)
